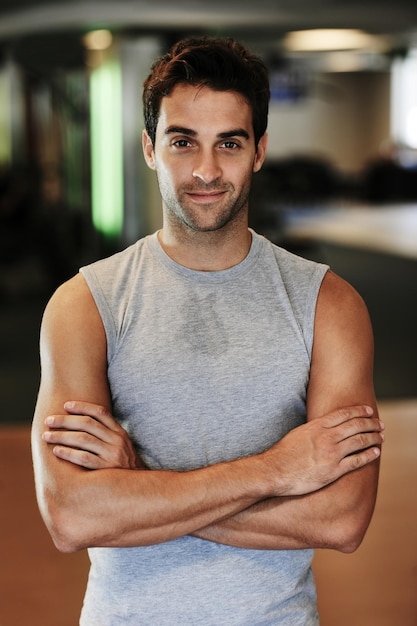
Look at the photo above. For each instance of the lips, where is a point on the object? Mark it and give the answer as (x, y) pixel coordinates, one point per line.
(206, 198)
(205, 195)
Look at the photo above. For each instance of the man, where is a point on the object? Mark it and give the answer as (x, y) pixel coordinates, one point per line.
(241, 374)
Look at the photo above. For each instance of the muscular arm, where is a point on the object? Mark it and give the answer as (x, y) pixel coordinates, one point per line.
(337, 515)
(120, 507)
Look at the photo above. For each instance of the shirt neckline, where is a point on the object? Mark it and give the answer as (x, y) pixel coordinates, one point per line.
(213, 277)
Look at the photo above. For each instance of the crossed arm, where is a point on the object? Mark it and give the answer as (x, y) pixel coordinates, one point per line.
(314, 488)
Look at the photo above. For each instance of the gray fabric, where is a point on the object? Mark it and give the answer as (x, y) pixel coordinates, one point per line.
(204, 367)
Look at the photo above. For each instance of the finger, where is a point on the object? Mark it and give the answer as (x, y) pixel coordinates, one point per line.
(76, 439)
(81, 458)
(94, 456)
(81, 423)
(360, 442)
(96, 411)
(359, 425)
(116, 453)
(344, 414)
(356, 461)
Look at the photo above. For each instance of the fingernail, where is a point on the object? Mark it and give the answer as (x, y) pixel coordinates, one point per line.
(69, 405)
(50, 420)
(369, 410)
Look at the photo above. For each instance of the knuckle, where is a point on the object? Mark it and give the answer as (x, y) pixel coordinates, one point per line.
(101, 410)
(343, 413)
(356, 423)
(120, 460)
(85, 421)
(85, 458)
(362, 440)
(84, 438)
(356, 461)
(119, 438)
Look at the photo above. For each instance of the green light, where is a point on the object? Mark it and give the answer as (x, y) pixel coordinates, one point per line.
(107, 148)
(5, 120)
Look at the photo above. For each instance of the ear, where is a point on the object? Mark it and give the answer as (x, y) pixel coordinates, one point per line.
(260, 153)
(148, 151)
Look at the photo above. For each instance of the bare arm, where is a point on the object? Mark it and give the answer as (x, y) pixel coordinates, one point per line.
(338, 515)
(153, 506)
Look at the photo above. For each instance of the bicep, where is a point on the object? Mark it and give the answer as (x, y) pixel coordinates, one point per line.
(73, 367)
(342, 360)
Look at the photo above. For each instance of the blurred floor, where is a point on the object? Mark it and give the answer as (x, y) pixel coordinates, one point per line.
(375, 586)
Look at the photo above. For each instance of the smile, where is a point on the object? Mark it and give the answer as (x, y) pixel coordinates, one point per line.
(206, 196)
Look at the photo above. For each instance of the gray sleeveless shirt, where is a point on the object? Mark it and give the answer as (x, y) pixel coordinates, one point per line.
(204, 367)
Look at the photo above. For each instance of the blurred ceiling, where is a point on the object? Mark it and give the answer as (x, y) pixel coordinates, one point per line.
(45, 34)
(270, 17)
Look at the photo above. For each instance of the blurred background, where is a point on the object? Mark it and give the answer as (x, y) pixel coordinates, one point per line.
(339, 186)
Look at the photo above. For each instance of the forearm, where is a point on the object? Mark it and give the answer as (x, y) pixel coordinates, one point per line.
(117, 507)
(124, 506)
(335, 517)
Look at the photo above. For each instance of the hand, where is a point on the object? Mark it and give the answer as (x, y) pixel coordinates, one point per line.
(89, 436)
(319, 452)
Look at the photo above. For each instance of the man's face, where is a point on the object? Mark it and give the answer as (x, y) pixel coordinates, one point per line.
(204, 156)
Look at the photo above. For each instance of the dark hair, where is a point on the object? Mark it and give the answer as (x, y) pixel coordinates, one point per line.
(217, 63)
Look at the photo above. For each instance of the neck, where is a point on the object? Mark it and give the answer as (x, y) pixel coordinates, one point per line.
(206, 251)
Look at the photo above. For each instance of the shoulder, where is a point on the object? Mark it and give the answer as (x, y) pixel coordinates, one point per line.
(71, 317)
(72, 299)
(339, 303)
(112, 280)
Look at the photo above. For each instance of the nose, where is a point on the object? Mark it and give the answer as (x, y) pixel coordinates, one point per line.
(207, 167)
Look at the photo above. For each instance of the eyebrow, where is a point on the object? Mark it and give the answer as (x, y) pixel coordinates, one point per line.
(180, 130)
(235, 132)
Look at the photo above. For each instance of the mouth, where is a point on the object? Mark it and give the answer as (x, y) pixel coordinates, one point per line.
(206, 197)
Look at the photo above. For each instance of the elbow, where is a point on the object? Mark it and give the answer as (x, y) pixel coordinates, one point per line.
(349, 543)
(63, 527)
(64, 540)
(352, 515)
(63, 545)
(349, 535)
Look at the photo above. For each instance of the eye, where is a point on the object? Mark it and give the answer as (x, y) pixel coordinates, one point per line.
(230, 145)
(181, 143)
